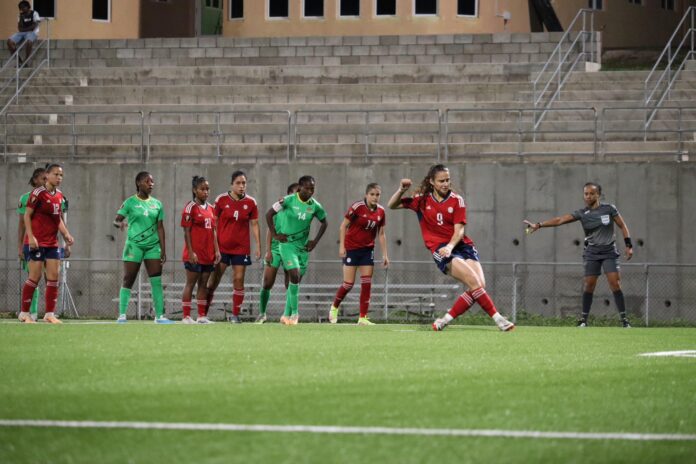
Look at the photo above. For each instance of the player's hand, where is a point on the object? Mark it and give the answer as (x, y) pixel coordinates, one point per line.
(341, 252)
(33, 243)
(66, 252)
(629, 253)
(310, 245)
(69, 240)
(193, 258)
(268, 257)
(21, 255)
(406, 184)
(445, 251)
(282, 238)
(385, 262)
(218, 257)
(531, 227)
(257, 254)
(163, 257)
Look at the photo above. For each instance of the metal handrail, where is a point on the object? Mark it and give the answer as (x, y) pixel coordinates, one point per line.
(519, 129)
(558, 59)
(217, 133)
(652, 101)
(73, 124)
(18, 67)
(368, 130)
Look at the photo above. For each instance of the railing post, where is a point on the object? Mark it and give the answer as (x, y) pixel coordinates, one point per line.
(48, 43)
(514, 293)
(140, 295)
(560, 68)
(669, 71)
(679, 129)
(217, 134)
(439, 134)
(74, 138)
(142, 136)
(289, 114)
(594, 131)
(294, 136)
(446, 135)
(5, 141)
(149, 135)
(519, 131)
(647, 294)
(366, 135)
(386, 294)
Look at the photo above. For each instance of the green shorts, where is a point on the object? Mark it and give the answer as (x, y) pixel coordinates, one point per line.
(275, 255)
(136, 254)
(294, 256)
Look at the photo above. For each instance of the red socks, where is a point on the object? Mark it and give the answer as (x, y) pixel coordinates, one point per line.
(365, 291)
(341, 293)
(237, 300)
(186, 308)
(51, 295)
(461, 305)
(482, 298)
(28, 293)
(202, 308)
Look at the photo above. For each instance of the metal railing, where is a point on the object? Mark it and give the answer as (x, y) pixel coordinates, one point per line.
(658, 84)
(219, 131)
(524, 127)
(655, 293)
(77, 129)
(567, 54)
(16, 76)
(366, 128)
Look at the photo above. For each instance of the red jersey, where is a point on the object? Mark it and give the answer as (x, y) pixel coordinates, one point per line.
(364, 224)
(46, 216)
(201, 220)
(233, 223)
(437, 218)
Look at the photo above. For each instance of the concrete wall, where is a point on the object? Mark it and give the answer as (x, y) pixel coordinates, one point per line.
(656, 200)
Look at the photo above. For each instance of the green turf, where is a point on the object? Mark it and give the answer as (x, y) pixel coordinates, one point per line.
(467, 377)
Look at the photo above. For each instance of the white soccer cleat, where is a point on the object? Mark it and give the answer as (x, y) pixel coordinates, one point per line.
(187, 320)
(333, 314)
(506, 326)
(26, 318)
(121, 319)
(203, 320)
(439, 324)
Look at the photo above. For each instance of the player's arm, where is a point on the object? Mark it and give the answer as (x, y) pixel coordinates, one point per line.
(395, 200)
(627, 236)
(269, 256)
(382, 236)
(193, 257)
(33, 243)
(256, 232)
(216, 246)
(271, 225)
(63, 229)
(120, 222)
(342, 237)
(21, 230)
(160, 235)
(555, 222)
(313, 243)
(457, 236)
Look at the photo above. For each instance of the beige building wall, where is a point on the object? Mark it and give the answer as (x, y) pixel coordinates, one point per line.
(74, 20)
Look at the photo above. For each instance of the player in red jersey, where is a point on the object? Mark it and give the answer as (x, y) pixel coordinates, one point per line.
(363, 222)
(201, 252)
(442, 217)
(43, 219)
(236, 214)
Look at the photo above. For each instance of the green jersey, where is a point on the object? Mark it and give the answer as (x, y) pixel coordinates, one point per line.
(295, 217)
(143, 216)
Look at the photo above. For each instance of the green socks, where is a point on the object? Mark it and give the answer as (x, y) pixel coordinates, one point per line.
(264, 295)
(34, 309)
(123, 300)
(292, 298)
(157, 295)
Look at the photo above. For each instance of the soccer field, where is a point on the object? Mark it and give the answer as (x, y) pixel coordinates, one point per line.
(322, 393)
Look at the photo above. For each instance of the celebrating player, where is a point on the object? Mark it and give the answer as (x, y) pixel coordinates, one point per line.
(272, 261)
(442, 217)
(43, 219)
(236, 213)
(296, 211)
(145, 242)
(600, 251)
(363, 221)
(201, 251)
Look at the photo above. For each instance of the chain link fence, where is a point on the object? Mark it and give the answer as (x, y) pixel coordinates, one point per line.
(408, 291)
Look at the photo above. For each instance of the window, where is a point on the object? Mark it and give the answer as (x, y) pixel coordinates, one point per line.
(277, 8)
(425, 7)
(313, 8)
(349, 8)
(595, 5)
(385, 7)
(45, 8)
(467, 7)
(668, 4)
(101, 10)
(236, 9)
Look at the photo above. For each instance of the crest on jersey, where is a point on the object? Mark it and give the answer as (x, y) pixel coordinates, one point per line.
(246, 207)
(450, 209)
(606, 219)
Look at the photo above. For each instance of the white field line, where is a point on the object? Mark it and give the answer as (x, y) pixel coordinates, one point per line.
(342, 430)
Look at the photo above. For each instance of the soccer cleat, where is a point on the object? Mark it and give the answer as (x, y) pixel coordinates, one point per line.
(26, 318)
(234, 319)
(121, 319)
(52, 319)
(506, 326)
(204, 320)
(439, 324)
(163, 320)
(188, 320)
(333, 314)
(261, 319)
(626, 324)
(285, 320)
(582, 324)
(294, 319)
(364, 321)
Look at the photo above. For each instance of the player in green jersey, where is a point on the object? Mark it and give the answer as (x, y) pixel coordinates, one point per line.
(272, 262)
(296, 212)
(145, 242)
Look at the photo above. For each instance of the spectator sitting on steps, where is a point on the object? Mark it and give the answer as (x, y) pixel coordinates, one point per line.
(28, 29)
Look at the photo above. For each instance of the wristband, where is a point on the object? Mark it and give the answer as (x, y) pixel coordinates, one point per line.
(117, 224)
(628, 243)
(538, 224)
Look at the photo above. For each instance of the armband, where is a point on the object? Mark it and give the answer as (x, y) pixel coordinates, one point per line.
(628, 243)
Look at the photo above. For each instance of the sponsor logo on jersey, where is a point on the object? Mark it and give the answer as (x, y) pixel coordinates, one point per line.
(606, 219)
